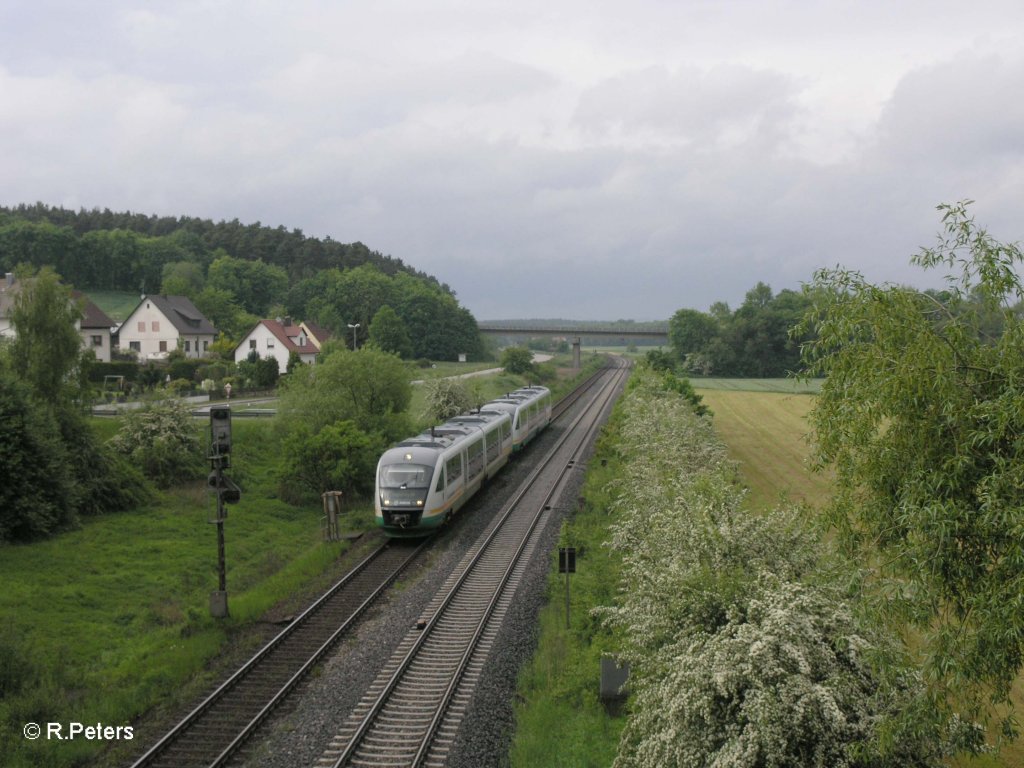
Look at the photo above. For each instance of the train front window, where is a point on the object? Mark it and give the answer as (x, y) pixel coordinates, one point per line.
(404, 485)
(405, 476)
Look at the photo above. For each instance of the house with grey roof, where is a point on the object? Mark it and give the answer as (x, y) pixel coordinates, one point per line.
(95, 328)
(161, 324)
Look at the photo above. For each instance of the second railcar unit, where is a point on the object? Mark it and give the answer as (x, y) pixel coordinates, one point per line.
(423, 481)
(530, 409)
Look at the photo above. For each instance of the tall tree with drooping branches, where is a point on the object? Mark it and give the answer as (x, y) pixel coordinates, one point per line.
(921, 417)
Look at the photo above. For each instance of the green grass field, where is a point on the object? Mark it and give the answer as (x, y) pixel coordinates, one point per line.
(117, 304)
(786, 386)
(105, 622)
(766, 432)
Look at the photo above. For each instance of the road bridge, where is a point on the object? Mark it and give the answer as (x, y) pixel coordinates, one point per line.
(590, 334)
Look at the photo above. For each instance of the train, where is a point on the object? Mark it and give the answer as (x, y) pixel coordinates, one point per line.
(424, 480)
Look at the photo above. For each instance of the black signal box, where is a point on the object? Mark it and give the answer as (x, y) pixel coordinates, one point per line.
(220, 430)
(567, 559)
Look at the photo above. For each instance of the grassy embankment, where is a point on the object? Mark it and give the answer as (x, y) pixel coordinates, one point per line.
(105, 622)
(751, 424)
(560, 720)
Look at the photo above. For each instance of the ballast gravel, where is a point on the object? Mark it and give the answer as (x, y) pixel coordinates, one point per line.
(297, 736)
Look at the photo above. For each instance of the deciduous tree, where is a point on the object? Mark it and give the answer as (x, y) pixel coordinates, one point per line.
(47, 351)
(446, 398)
(517, 360)
(368, 387)
(34, 464)
(388, 332)
(922, 419)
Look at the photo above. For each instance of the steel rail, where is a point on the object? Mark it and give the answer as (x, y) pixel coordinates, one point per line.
(246, 732)
(154, 752)
(443, 705)
(577, 392)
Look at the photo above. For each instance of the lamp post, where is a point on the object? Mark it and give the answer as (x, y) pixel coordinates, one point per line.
(354, 329)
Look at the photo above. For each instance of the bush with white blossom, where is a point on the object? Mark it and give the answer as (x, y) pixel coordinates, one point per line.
(743, 638)
(163, 440)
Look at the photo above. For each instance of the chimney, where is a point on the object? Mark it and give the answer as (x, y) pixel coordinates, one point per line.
(287, 322)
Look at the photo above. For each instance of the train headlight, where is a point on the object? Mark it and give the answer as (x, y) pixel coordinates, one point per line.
(419, 502)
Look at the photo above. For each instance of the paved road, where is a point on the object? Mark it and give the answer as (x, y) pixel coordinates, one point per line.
(204, 409)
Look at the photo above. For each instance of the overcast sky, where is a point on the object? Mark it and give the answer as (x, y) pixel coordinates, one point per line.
(579, 159)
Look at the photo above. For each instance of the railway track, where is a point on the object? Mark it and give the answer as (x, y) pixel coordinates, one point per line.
(216, 729)
(219, 727)
(411, 714)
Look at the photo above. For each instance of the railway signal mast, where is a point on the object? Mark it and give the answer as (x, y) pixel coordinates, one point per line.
(227, 492)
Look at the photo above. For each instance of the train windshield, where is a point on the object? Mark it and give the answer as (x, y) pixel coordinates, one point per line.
(405, 476)
(404, 485)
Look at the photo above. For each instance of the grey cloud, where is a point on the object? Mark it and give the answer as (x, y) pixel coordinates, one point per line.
(725, 103)
(639, 166)
(966, 109)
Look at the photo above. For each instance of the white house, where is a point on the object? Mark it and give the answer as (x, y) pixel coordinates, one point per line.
(161, 324)
(278, 339)
(94, 327)
(8, 288)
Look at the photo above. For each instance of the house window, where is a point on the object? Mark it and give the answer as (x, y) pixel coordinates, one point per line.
(97, 341)
(252, 343)
(188, 345)
(136, 345)
(155, 326)
(270, 343)
(142, 326)
(206, 345)
(163, 346)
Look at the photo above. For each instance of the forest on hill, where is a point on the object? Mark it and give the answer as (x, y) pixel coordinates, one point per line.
(237, 273)
(60, 233)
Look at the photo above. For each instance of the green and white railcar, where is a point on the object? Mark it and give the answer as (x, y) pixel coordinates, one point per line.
(423, 481)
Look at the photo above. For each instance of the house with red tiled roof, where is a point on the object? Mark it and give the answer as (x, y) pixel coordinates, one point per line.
(316, 333)
(279, 338)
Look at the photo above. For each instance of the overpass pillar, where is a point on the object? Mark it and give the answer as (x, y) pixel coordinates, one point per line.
(576, 353)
